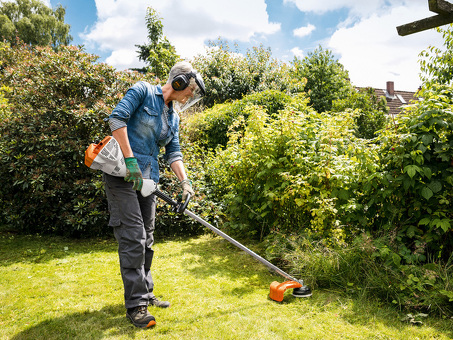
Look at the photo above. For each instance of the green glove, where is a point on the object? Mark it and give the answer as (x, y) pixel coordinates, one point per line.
(133, 173)
(186, 187)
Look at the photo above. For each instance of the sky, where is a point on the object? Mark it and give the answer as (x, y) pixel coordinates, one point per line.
(361, 34)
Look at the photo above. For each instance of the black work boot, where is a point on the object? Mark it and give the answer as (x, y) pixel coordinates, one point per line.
(140, 317)
(155, 302)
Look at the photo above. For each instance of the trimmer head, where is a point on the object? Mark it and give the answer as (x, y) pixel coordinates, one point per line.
(302, 292)
(277, 290)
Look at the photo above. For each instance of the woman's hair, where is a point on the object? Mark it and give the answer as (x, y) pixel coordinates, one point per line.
(181, 67)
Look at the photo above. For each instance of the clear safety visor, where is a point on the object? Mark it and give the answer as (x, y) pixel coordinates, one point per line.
(198, 92)
(190, 102)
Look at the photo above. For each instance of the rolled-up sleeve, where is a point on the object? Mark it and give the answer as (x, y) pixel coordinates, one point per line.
(116, 124)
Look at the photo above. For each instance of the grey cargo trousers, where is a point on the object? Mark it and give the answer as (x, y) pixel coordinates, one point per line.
(132, 217)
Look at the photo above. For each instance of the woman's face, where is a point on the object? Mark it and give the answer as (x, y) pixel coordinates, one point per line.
(184, 95)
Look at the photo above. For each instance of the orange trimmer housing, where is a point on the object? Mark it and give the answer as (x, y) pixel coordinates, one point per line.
(277, 289)
(93, 150)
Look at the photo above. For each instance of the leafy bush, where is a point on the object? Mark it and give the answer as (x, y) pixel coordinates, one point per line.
(4, 109)
(56, 107)
(411, 195)
(170, 223)
(209, 128)
(57, 103)
(370, 112)
(299, 172)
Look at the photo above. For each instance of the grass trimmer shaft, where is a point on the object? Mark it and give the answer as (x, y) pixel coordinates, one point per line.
(276, 289)
(107, 157)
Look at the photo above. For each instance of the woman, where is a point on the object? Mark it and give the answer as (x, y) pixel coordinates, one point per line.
(143, 122)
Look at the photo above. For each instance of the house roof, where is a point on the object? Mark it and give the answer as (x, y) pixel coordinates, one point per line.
(396, 100)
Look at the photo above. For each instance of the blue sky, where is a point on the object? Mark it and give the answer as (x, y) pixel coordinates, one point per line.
(361, 34)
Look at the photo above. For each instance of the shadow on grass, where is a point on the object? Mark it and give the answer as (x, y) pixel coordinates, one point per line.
(107, 322)
(220, 258)
(16, 248)
(366, 312)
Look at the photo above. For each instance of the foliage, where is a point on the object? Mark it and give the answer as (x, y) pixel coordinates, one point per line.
(229, 75)
(57, 103)
(299, 172)
(326, 78)
(159, 53)
(435, 63)
(57, 106)
(410, 196)
(32, 22)
(209, 128)
(4, 109)
(170, 223)
(370, 112)
(367, 267)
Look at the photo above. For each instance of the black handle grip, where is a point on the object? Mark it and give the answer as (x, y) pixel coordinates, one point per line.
(178, 207)
(166, 198)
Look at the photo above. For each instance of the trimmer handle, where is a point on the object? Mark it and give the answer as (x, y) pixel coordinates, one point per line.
(183, 205)
(178, 207)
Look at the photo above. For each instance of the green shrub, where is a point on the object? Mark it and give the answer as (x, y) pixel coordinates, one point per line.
(370, 112)
(298, 172)
(209, 128)
(411, 194)
(58, 102)
(4, 108)
(170, 223)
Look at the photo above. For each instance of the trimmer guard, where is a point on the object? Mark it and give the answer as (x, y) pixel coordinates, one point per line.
(278, 289)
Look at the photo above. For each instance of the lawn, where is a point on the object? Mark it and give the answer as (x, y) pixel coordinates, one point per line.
(54, 288)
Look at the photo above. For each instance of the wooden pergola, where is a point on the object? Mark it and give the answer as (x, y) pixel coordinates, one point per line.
(444, 10)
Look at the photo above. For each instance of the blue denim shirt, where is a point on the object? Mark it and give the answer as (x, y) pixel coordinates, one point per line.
(141, 109)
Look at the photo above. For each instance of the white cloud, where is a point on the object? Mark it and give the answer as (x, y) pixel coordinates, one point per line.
(304, 31)
(297, 52)
(123, 59)
(120, 26)
(187, 24)
(373, 52)
(357, 7)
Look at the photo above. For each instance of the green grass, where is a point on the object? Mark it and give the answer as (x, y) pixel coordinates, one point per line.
(53, 288)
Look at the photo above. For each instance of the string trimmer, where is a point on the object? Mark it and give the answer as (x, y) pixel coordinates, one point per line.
(107, 156)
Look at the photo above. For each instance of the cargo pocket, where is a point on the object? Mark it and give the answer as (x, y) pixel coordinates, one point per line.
(131, 246)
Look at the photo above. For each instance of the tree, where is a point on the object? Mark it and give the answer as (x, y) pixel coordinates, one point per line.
(34, 23)
(327, 80)
(159, 53)
(230, 75)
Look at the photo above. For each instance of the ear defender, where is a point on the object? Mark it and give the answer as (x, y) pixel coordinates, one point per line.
(181, 81)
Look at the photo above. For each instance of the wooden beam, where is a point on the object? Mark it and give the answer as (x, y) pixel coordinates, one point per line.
(425, 24)
(440, 7)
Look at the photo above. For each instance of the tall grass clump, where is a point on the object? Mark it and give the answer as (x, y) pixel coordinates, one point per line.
(368, 269)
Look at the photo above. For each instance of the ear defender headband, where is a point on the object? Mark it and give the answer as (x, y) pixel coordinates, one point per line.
(181, 81)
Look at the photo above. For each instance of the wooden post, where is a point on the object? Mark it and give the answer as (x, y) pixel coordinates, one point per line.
(445, 16)
(440, 7)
